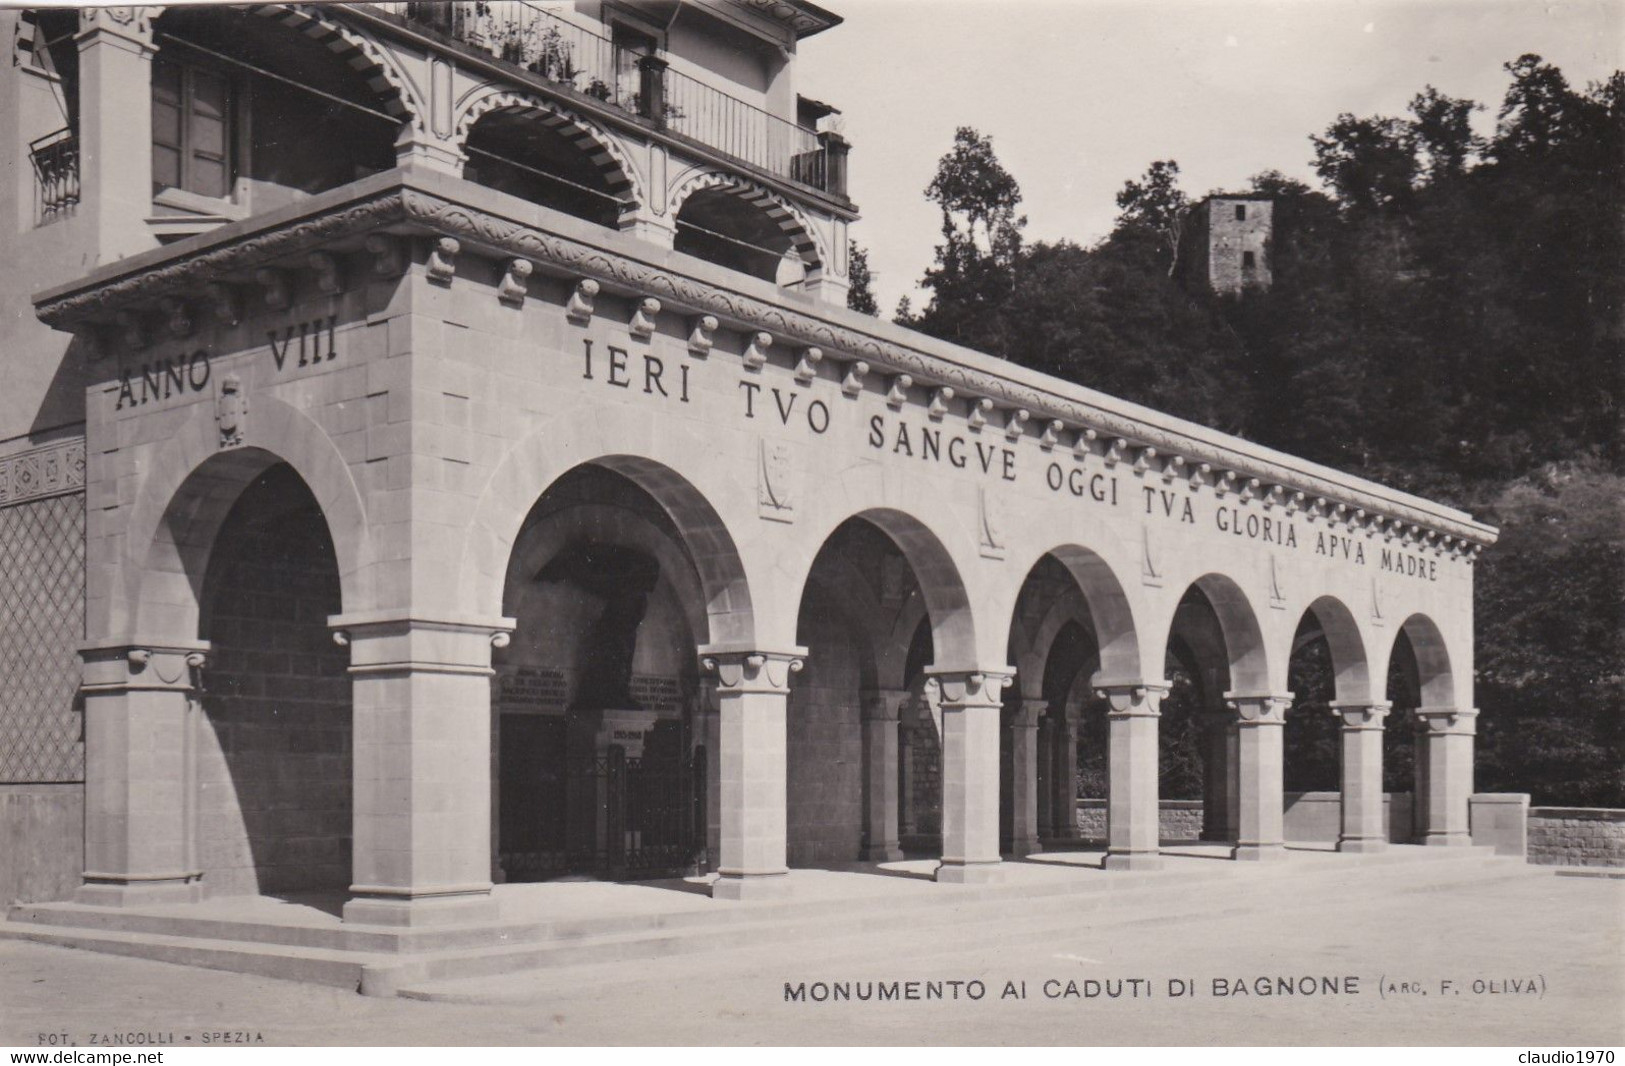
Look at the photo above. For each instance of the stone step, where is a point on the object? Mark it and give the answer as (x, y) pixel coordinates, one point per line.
(339, 969)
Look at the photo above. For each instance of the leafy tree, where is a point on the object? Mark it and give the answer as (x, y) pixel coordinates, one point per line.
(1370, 162)
(1156, 203)
(974, 270)
(861, 296)
(1441, 126)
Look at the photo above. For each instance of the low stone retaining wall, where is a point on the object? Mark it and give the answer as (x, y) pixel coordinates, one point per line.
(1576, 836)
(1179, 820)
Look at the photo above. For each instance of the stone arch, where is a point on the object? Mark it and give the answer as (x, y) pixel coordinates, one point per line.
(179, 508)
(953, 629)
(1245, 648)
(400, 96)
(1110, 613)
(1433, 665)
(606, 156)
(790, 220)
(1034, 660)
(1351, 668)
(534, 464)
(857, 604)
(610, 525)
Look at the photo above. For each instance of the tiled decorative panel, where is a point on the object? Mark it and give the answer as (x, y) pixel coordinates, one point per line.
(42, 618)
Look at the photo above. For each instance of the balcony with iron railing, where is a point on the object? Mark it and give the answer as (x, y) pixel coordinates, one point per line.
(638, 83)
(55, 159)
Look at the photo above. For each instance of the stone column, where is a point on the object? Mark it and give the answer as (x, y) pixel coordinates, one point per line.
(881, 710)
(1260, 823)
(139, 776)
(753, 688)
(422, 796)
(909, 723)
(1448, 752)
(1024, 777)
(711, 730)
(971, 708)
(1133, 807)
(1218, 775)
(115, 128)
(429, 140)
(1064, 790)
(1364, 826)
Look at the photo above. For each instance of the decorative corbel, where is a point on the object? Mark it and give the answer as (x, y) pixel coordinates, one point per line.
(979, 409)
(1173, 467)
(940, 399)
(1296, 501)
(897, 395)
(1356, 520)
(1275, 497)
(1115, 450)
(442, 264)
(133, 329)
(278, 293)
(515, 283)
(178, 316)
(578, 308)
(756, 350)
(1083, 445)
(388, 254)
(1143, 461)
(1199, 475)
(1225, 483)
(644, 318)
(852, 383)
(1249, 491)
(1317, 509)
(223, 301)
(1014, 423)
(326, 265)
(807, 365)
(702, 336)
(1051, 435)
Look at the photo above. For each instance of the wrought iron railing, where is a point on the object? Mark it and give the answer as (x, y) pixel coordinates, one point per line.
(55, 158)
(531, 37)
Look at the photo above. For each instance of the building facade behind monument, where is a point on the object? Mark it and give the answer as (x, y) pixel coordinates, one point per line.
(459, 465)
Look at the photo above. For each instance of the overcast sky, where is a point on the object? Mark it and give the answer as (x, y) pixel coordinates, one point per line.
(1080, 95)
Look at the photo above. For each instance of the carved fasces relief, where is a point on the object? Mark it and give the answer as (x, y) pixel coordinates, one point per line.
(776, 481)
(989, 527)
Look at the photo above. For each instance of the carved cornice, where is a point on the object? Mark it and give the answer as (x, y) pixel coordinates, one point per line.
(53, 470)
(497, 235)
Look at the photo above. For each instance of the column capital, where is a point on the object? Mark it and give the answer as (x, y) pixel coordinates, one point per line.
(1447, 721)
(132, 663)
(1361, 714)
(1259, 708)
(1030, 713)
(884, 704)
(395, 642)
(972, 688)
(742, 670)
(1133, 698)
(130, 25)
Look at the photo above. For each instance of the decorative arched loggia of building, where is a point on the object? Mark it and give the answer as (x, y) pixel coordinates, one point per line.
(1110, 614)
(1351, 668)
(621, 178)
(647, 460)
(1435, 676)
(397, 93)
(180, 505)
(1245, 647)
(804, 237)
(953, 627)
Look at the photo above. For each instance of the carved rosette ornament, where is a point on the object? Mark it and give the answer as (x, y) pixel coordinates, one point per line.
(1261, 710)
(753, 672)
(1360, 715)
